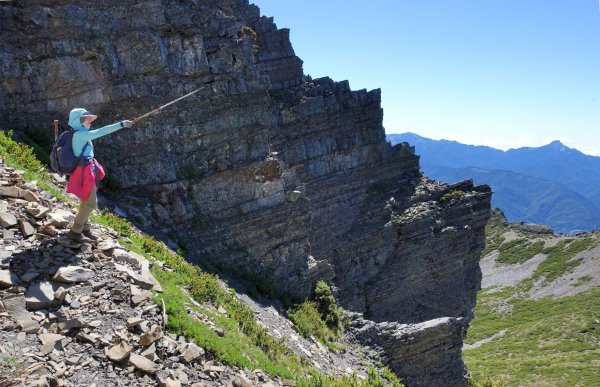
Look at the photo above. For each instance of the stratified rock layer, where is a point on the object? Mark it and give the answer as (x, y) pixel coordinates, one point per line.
(434, 348)
(264, 172)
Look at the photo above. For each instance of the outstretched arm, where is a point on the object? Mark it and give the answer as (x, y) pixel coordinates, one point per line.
(95, 133)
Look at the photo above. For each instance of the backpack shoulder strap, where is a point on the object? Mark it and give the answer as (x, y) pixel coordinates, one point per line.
(87, 143)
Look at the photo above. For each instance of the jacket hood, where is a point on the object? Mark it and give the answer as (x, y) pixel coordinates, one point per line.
(75, 118)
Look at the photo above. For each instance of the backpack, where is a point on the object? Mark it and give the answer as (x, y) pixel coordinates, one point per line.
(62, 159)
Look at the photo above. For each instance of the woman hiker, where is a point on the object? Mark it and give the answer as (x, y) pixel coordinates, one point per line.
(85, 179)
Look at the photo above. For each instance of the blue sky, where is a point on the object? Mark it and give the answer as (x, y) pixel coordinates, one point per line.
(503, 73)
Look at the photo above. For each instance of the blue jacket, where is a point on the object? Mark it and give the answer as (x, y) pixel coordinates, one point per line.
(83, 134)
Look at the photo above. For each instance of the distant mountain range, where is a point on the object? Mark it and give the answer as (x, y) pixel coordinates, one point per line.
(552, 185)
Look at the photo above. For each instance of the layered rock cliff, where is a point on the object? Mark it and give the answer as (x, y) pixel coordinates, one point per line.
(264, 172)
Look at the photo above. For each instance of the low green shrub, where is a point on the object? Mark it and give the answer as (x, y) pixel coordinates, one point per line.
(452, 195)
(328, 308)
(249, 32)
(307, 320)
(487, 382)
(582, 280)
(386, 378)
(40, 143)
(560, 258)
(21, 156)
(114, 221)
(9, 367)
(519, 250)
(320, 317)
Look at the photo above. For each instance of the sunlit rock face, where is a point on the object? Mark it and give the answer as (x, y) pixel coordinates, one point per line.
(264, 172)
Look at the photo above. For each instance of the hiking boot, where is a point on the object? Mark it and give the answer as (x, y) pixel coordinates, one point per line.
(90, 235)
(78, 237)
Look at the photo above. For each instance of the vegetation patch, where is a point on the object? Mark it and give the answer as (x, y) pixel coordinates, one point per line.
(245, 30)
(9, 368)
(386, 378)
(21, 156)
(582, 280)
(452, 195)
(40, 142)
(560, 258)
(330, 312)
(493, 237)
(320, 317)
(487, 382)
(551, 341)
(308, 321)
(518, 250)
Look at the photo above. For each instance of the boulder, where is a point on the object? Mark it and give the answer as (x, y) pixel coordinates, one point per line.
(107, 244)
(8, 279)
(37, 211)
(118, 352)
(68, 242)
(50, 338)
(16, 307)
(190, 352)
(7, 219)
(242, 381)
(144, 295)
(60, 218)
(145, 281)
(60, 294)
(29, 276)
(143, 364)
(40, 295)
(5, 258)
(134, 321)
(150, 337)
(73, 274)
(26, 228)
(29, 196)
(121, 255)
(11, 192)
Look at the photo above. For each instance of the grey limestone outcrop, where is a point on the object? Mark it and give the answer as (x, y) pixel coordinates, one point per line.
(265, 172)
(433, 347)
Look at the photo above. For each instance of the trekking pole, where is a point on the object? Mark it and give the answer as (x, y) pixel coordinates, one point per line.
(158, 109)
(55, 130)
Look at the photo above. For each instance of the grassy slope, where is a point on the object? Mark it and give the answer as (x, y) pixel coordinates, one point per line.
(548, 341)
(551, 341)
(245, 343)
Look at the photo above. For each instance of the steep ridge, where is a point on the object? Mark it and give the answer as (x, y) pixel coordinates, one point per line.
(265, 172)
(553, 184)
(529, 199)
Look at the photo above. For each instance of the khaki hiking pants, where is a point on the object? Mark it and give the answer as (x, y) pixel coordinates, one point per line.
(86, 207)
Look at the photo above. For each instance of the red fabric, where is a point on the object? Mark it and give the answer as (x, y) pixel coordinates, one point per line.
(83, 179)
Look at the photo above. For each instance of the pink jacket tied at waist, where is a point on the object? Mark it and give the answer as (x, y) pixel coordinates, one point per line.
(84, 178)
